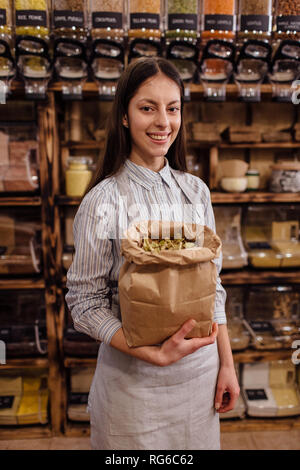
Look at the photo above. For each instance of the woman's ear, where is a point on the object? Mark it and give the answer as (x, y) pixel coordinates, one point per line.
(125, 121)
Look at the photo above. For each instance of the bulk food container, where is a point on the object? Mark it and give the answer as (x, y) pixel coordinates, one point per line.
(80, 383)
(76, 343)
(107, 19)
(269, 389)
(144, 19)
(218, 20)
(271, 236)
(32, 18)
(287, 19)
(23, 397)
(69, 19)
(228, 227)
(272, 316)
(20, 242)
(254, 20)
(238, 334)
(23, 322)
(182, 20)
(19, 159)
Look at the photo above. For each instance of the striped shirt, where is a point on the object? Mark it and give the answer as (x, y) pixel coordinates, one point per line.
(92, 278)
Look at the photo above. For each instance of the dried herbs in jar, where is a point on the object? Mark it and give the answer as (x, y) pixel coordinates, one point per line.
(182, 19)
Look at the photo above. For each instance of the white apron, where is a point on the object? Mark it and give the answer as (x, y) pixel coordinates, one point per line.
(134, 405)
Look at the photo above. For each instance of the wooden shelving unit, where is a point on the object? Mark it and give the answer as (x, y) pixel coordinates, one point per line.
(52, 204)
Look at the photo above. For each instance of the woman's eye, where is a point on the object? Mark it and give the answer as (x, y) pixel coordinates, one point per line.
(173, 109)
(146, 108)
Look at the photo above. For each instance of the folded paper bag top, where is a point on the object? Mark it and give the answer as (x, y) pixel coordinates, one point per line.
(159, 291)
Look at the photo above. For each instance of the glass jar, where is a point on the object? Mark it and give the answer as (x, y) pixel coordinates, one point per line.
(106, 19)
(32, 18)
(78, 176)
(253, 180)
(255, 19)
(181, 20)
(218, 20)
(69, 19)
(144, 19)
(6, 20)
(287, 19)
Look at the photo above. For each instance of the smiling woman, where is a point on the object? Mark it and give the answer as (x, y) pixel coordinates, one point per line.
(162, 396)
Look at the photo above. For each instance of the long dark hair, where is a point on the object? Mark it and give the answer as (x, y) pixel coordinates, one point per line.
(117, 143)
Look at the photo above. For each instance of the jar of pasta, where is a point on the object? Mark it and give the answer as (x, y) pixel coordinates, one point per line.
(69, 19)
(106, 19)
(144, 19)
(254, 19)
(218, 20)
(287, 19)
(32, 18)
(181, 20)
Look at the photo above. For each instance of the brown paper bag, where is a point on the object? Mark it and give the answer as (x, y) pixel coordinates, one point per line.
(159, 291)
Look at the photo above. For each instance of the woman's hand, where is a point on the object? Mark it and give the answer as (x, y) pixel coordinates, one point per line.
(171, 350)
(227, 390)
(176, 347)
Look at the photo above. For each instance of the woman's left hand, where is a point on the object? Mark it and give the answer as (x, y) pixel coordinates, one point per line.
(227, 390)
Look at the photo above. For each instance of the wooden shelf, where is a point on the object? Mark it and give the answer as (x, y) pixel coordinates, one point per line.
(25, 432)
(260, 424)
(260, 145)
(63, 200)
(20, 201)
(85, 144)
(248, 276)
(29, 283)
(254, 197)
(80, 361)
(25, 363)
(77, 430)
(261, 356)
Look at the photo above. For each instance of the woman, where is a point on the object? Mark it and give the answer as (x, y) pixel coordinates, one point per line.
(157, 397)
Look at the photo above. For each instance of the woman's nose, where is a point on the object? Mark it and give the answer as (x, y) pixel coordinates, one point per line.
(162, 118)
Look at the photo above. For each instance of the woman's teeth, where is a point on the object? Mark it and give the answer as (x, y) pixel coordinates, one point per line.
(158, 137)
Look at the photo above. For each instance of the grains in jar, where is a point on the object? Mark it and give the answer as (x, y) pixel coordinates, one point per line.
(182, 19)
(218, 19)
(287, 19)
(144, 19)
(5, 17)
(255, 19)
(107, 19)
(69, 18)
(32, 17)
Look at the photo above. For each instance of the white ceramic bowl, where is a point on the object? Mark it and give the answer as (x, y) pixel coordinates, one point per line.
(234, 185)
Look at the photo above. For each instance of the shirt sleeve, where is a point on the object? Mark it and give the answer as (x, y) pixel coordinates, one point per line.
(88, 296)
(219, 313)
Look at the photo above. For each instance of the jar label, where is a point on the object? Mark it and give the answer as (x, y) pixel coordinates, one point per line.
(31, 18)
(256, 394)
(6, 401)
(107, 19)
(255, 23)
(144, 20)
(68, 18)
(2, 17)
(182, 21)
(219, 22)
(258, 325)
(288, 23)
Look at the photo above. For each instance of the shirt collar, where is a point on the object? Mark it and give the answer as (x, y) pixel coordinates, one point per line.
(146, 177)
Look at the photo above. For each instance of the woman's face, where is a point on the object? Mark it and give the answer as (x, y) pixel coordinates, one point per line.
(154, 119)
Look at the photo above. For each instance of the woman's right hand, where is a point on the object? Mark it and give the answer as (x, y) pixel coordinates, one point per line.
(177, 346)
(171, 350)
